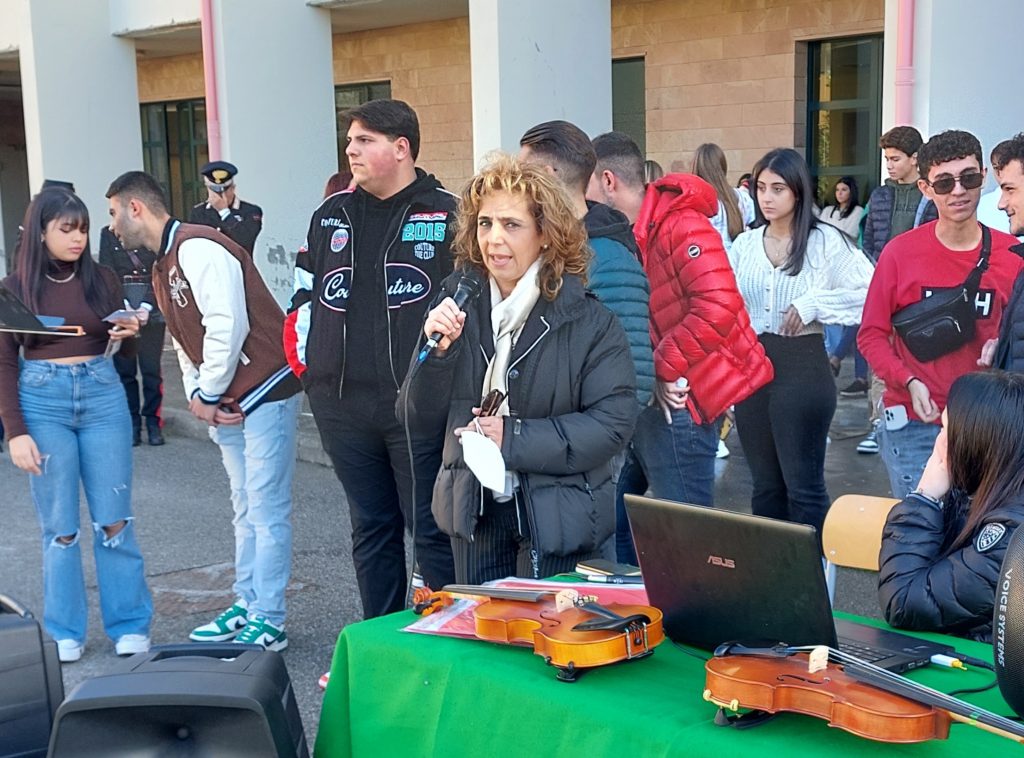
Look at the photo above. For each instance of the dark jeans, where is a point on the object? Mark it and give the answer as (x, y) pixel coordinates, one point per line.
(371, 460)
(784, 431)
(675, 461)
(147, 362)
(848, 344)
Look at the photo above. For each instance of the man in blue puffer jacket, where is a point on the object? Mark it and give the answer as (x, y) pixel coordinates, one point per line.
(615, 274)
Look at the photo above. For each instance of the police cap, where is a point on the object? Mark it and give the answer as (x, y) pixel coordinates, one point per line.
(219, 175)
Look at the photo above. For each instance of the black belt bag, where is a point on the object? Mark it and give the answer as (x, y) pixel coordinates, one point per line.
(944, 322)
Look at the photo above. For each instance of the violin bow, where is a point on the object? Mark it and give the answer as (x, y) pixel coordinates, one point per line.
(607, 618)
(876, 676)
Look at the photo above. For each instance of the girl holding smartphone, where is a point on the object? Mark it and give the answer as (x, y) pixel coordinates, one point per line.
(68, 426)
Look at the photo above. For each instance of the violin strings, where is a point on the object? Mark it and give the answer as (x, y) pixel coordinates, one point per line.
(953, 704)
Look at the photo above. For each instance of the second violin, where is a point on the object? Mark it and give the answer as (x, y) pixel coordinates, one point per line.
(570, 631)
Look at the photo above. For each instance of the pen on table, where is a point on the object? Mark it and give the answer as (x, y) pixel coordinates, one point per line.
(614, 579)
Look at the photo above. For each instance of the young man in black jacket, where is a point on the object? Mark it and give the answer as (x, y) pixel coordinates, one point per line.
(1008, 163)
(373, 260)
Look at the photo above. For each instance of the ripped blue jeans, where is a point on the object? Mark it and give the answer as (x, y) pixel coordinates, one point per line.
(78, 417)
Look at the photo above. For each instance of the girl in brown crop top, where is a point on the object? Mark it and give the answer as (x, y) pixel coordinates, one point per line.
(56, 276)
(67, 422)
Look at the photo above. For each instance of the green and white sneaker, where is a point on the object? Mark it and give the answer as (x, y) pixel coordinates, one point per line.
(223, 628)
(261, 632)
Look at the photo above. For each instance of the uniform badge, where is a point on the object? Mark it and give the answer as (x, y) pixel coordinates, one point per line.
(338, 240)
(693, 251)
(989, 537)
(424, 251)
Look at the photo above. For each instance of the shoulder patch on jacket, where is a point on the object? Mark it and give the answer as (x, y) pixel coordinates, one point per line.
(989, 537)
(693, 251)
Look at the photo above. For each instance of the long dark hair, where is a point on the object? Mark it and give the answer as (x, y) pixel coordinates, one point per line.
(850, 182)
(790, 165)
(34, 259)
(985, 447)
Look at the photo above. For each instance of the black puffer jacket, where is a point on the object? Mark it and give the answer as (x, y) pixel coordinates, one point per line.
(1010, 352)
(572, 400)
(922, 588)
(878, 221)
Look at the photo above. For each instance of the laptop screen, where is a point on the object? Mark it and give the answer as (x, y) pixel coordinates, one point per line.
(720, 576)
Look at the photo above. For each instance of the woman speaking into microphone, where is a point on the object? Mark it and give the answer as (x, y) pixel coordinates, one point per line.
(558, 360)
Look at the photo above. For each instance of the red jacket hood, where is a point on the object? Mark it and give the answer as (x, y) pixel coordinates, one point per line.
(671, 194)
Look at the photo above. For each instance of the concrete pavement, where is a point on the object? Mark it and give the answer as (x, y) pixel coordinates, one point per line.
(184, 527)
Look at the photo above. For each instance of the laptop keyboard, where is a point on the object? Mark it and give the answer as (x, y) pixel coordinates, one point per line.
(864, 652)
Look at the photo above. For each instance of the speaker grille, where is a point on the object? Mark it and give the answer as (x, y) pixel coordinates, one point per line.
(1008, 625)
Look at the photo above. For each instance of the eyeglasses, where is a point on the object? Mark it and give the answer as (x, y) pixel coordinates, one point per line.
(945, 185)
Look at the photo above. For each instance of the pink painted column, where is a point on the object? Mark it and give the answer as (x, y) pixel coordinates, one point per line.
(904, 62)
(210, 79)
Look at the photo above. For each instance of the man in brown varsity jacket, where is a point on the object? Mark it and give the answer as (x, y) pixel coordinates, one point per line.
(227, 330)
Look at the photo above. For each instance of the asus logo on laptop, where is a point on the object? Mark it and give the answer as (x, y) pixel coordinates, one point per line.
(728, 563)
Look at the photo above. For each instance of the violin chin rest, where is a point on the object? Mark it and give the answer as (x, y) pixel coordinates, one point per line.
(600, 624)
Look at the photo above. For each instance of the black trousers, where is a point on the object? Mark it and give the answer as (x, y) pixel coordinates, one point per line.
(783, 428)
(371, 461)
(502, 547)
(147, 363)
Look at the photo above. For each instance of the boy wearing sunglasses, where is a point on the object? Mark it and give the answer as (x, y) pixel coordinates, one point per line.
(929, 259)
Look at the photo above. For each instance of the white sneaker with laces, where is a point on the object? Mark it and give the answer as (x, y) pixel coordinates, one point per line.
(69, 651)
(130, 644)
(869, 445)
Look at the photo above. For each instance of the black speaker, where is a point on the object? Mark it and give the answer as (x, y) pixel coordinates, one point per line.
(200, 699)
(1008, 625)
(30, 685)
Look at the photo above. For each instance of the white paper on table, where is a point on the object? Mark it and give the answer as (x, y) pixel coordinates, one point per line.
(484, 459)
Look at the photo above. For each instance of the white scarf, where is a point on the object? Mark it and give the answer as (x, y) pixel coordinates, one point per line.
(507, 319)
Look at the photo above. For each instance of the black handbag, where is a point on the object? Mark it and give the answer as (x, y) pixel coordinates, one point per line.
(944, 322)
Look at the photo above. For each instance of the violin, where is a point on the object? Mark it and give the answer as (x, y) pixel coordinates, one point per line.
(854, 695)
(572, 632)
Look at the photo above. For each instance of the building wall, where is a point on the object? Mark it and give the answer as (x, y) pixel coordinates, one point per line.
(178, 77)
(428, 66)
(729, 71)
(725, 71)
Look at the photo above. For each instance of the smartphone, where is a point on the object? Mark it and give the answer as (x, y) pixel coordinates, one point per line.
(492, 402)
(121, 314)
(895, 417)
(603, 567)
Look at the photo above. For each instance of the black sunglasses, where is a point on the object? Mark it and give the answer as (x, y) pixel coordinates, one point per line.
(945, 185)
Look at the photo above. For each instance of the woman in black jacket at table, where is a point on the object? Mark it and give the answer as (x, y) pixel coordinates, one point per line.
(942, 546)
(561, 357)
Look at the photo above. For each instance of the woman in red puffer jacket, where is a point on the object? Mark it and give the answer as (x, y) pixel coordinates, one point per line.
(706, 356)
(699, 325)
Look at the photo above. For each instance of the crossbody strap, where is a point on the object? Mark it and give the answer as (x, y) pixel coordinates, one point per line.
(136, 262)
(973, 280)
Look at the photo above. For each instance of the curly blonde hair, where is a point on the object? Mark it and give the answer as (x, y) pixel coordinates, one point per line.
(565, 251)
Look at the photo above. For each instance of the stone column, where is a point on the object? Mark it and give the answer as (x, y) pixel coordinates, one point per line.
(535, 61)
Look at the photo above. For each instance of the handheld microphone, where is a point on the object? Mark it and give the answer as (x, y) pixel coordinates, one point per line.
(467, 291)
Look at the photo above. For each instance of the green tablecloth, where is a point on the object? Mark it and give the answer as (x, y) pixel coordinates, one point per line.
(400, 694)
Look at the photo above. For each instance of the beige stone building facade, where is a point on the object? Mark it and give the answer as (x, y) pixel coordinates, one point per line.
(725, 71)
(823, 76)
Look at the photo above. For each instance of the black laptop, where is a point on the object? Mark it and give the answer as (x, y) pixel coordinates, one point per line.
(719, 576)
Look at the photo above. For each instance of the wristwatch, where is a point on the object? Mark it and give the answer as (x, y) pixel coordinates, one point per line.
(927, 498)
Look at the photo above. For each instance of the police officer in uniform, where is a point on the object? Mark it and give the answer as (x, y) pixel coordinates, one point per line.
(223, 210)
(135, 268)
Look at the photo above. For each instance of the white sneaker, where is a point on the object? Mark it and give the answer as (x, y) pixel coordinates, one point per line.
(723, 451)
(69, 651)
(130, 644)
